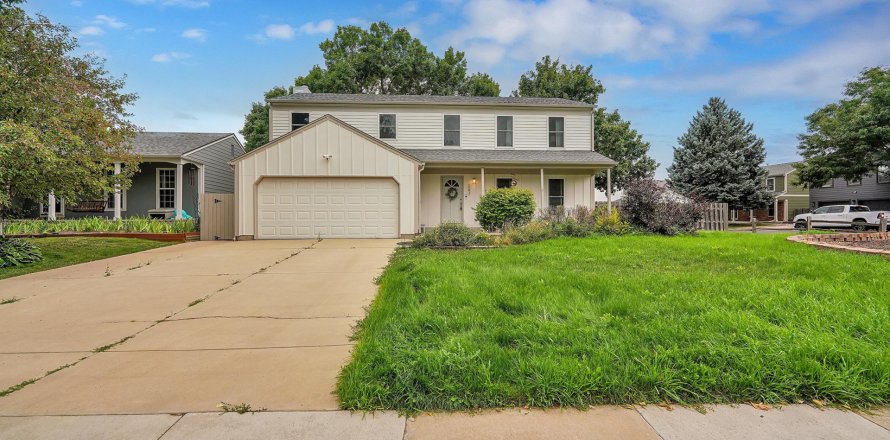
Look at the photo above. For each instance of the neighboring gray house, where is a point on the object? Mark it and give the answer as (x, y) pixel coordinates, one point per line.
(175, 169)
(872, 190)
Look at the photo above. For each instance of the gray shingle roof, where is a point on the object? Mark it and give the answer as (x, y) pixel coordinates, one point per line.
(164, 143)
(563, 157)
(780, 169)
(346, 98)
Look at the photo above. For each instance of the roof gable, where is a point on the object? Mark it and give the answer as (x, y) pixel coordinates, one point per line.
(314, 124)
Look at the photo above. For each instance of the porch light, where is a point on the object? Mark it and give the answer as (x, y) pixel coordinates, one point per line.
(473, 181)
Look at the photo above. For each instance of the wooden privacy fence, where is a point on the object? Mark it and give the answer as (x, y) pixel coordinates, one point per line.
(716, 217)
(217, 216)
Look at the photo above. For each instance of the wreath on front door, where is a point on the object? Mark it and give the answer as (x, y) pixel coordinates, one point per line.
(451, 192)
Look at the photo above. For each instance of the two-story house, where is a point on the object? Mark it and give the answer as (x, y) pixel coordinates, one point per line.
(791, 197)
(872, 190)
(341, 165)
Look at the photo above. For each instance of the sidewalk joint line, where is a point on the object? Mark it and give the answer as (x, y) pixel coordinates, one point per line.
(171, 426)
(643, 416)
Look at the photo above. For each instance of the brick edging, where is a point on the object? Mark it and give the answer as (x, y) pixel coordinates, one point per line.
(835, 241)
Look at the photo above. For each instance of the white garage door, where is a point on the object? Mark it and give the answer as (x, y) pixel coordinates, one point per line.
(328, 207)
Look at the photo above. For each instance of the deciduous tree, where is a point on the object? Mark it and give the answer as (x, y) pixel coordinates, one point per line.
(63, 118)
(256, 122)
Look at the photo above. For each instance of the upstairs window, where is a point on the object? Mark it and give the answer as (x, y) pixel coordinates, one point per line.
(771, 184)
(452, 130)
(298, 120)
(557, 192)
(387, 126)
(505, 131)
(556, 131)
(884, 174)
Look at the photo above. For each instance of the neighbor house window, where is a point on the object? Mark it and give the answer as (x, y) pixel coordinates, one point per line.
(166, 188)
(298, 120)
(771, 184)
(557, 192)
(505, 131)
(388, 126)
(854, 182)
(503, 182)
(828, 184)
(556, 131)
(452, 130)
(884, 174)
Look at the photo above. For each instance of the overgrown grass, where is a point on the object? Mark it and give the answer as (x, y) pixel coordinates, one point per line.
(65, 251)
(719, 317)
(100, 224)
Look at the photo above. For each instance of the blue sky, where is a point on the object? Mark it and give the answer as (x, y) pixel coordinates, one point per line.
(198, 64)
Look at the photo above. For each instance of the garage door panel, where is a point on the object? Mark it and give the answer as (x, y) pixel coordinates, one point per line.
(327, 207)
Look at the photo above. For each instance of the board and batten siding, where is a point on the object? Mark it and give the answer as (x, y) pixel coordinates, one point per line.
(219, 177)
(302, 155)
(423, 126)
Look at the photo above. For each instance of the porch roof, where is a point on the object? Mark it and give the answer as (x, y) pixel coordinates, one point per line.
(161, 143)
(525, 157)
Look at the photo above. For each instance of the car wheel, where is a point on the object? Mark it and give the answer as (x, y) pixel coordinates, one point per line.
(860, 225)
(800, 225)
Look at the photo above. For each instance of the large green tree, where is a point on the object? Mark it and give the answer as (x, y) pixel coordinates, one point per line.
(383, 60)
(849, 138)
(256, 122)
(63, 118)
(613, 136)
(720, 159)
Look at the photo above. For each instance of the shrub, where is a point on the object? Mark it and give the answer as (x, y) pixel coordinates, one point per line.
(531, 232)
(648, 206)
(611, 224)
(101, 224)
(451, 234)
(501, 207)
(572, 228)
(15, 252)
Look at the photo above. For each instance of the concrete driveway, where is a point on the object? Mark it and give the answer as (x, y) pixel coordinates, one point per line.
(183, 328)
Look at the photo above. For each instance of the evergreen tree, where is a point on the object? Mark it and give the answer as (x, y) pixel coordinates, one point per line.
(720, 159)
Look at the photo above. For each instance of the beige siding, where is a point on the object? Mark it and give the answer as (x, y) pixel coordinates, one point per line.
(577, 191)
(422, 126)
(302, 154)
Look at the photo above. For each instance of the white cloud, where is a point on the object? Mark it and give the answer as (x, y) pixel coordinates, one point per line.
(196, 34)
(91, 30)
(322, 27)
(192, 4)
(526, 30)
(167, 57)
(279, 31)
(107, 21)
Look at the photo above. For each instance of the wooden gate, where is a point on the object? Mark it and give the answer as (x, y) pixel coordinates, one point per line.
(716, 217)
(217, 216)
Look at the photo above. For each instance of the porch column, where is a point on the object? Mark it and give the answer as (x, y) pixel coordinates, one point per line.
(177, 198)
(51, 206)
(776, 210)
(482, 180)
(593, 191)
(542, 188)
(117, 193)
(200, 187)
(609, 190)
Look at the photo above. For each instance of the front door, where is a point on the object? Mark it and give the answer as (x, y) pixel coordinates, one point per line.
(452, 199)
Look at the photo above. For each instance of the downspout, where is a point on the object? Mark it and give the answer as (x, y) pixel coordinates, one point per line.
(418, 199)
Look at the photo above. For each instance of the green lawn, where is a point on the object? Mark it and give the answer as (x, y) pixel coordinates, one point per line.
(65, 251)
(720, 317)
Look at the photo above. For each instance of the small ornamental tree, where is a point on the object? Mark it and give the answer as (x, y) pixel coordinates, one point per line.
(505, 206)
(652, 208)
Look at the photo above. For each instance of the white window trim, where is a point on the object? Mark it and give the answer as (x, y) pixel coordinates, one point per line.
(308, 120)
(563, 131)
(496, 132)
(396, 126)
(60, 213)
(771, 180)
(123, 201)
(460, 132)
(886, 172)
(854, 182)
(158, 187)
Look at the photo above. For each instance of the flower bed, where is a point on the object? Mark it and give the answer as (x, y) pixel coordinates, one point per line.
(863, 242)
(133, 227)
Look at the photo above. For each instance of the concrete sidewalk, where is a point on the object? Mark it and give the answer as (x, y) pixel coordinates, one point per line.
(604, 422)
